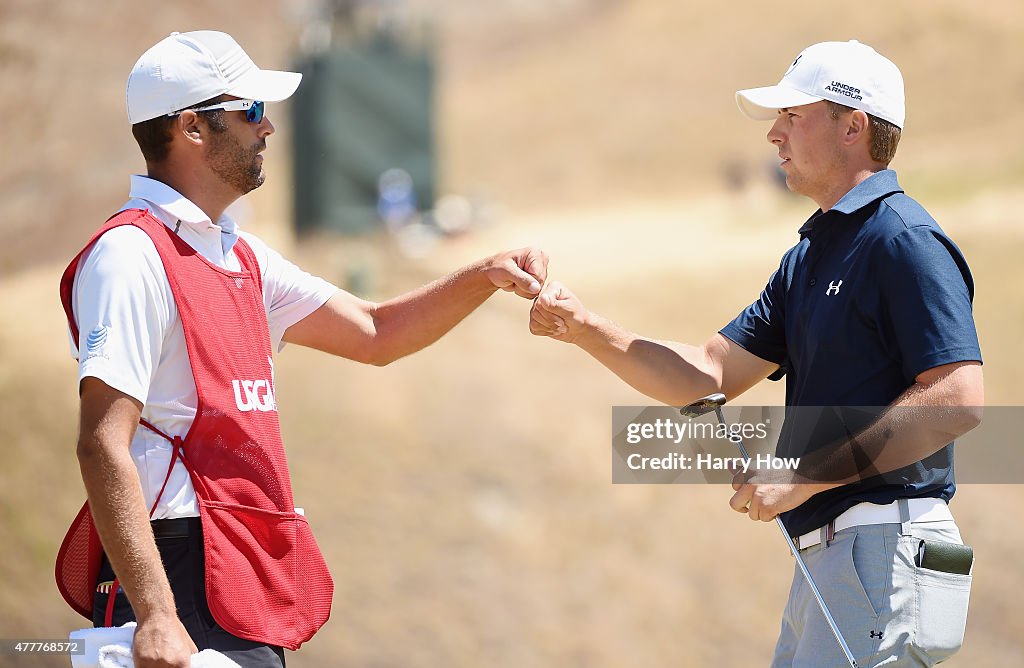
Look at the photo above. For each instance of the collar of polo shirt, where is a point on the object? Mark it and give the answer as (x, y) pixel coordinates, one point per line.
(875, 187)
(177, 205)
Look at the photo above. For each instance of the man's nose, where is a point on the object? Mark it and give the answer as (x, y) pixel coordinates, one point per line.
(775, 135)
(266, 127)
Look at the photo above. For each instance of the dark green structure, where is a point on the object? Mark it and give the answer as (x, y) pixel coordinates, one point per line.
(360, 111)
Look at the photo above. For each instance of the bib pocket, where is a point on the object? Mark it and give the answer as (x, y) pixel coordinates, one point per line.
(265, 577)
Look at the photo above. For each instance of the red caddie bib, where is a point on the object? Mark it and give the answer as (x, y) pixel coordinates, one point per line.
(266, 580)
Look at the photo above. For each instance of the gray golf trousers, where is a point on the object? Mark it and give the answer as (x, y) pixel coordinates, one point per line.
(891, 612)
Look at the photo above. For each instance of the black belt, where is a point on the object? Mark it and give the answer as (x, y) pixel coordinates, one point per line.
(181, 527)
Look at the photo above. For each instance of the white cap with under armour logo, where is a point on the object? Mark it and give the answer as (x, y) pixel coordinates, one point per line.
(191, 67)
(849, 73)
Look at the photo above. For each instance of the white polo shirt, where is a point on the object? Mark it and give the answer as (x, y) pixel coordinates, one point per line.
(132, 335)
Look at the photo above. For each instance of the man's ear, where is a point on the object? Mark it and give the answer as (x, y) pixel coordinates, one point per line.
(857, 127)
(187, 124)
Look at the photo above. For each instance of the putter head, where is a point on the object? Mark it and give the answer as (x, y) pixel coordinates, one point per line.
(704, 405)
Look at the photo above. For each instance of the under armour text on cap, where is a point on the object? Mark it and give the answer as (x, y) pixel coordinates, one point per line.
(187, 68)
(849, 73)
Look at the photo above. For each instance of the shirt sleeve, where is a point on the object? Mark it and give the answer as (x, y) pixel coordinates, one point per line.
(760, 329)
(289, 293)
(121, 301)
(927, 294)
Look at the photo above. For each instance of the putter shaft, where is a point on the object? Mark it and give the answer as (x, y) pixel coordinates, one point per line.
(716, 402)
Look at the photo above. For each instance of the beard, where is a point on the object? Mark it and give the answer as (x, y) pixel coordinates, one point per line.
(236, 165)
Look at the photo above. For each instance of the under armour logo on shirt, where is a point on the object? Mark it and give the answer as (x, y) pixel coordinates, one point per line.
(832, 285)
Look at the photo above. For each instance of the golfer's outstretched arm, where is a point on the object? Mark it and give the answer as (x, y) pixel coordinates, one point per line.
(108, 421)
(381, 333)
(672, 373)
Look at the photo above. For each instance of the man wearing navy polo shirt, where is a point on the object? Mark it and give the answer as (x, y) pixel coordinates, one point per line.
(872, 307)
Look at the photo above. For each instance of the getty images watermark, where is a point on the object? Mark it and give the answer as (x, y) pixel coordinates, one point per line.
(666, 430)
(658, 444)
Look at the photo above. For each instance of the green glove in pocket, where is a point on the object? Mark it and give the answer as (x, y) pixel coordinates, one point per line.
(945, 557)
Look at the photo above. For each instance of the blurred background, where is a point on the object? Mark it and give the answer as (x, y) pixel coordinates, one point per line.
(462, 496)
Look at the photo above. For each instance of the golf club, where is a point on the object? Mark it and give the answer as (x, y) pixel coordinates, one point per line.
(714, 402)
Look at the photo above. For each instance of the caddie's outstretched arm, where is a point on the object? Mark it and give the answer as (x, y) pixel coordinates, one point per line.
(380, 333)
(672, 373)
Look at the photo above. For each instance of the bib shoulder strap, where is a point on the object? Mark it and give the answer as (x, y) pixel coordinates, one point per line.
(127, 217)
(247, 258)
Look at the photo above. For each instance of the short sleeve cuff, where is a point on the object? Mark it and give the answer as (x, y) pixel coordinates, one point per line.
(298, 312)
(915, 367)
(751, 344)
(102, 369)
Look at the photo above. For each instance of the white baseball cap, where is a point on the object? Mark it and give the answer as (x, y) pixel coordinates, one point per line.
(190, 67)
(849, 73)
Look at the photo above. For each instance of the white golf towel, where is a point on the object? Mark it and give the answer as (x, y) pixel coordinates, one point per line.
(111, 647)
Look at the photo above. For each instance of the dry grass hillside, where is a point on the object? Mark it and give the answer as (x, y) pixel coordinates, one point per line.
(462, 496)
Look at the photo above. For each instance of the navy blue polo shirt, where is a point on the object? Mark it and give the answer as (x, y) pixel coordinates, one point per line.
(873, 294)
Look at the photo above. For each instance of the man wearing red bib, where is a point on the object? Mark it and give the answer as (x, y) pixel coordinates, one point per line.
(190, 526)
